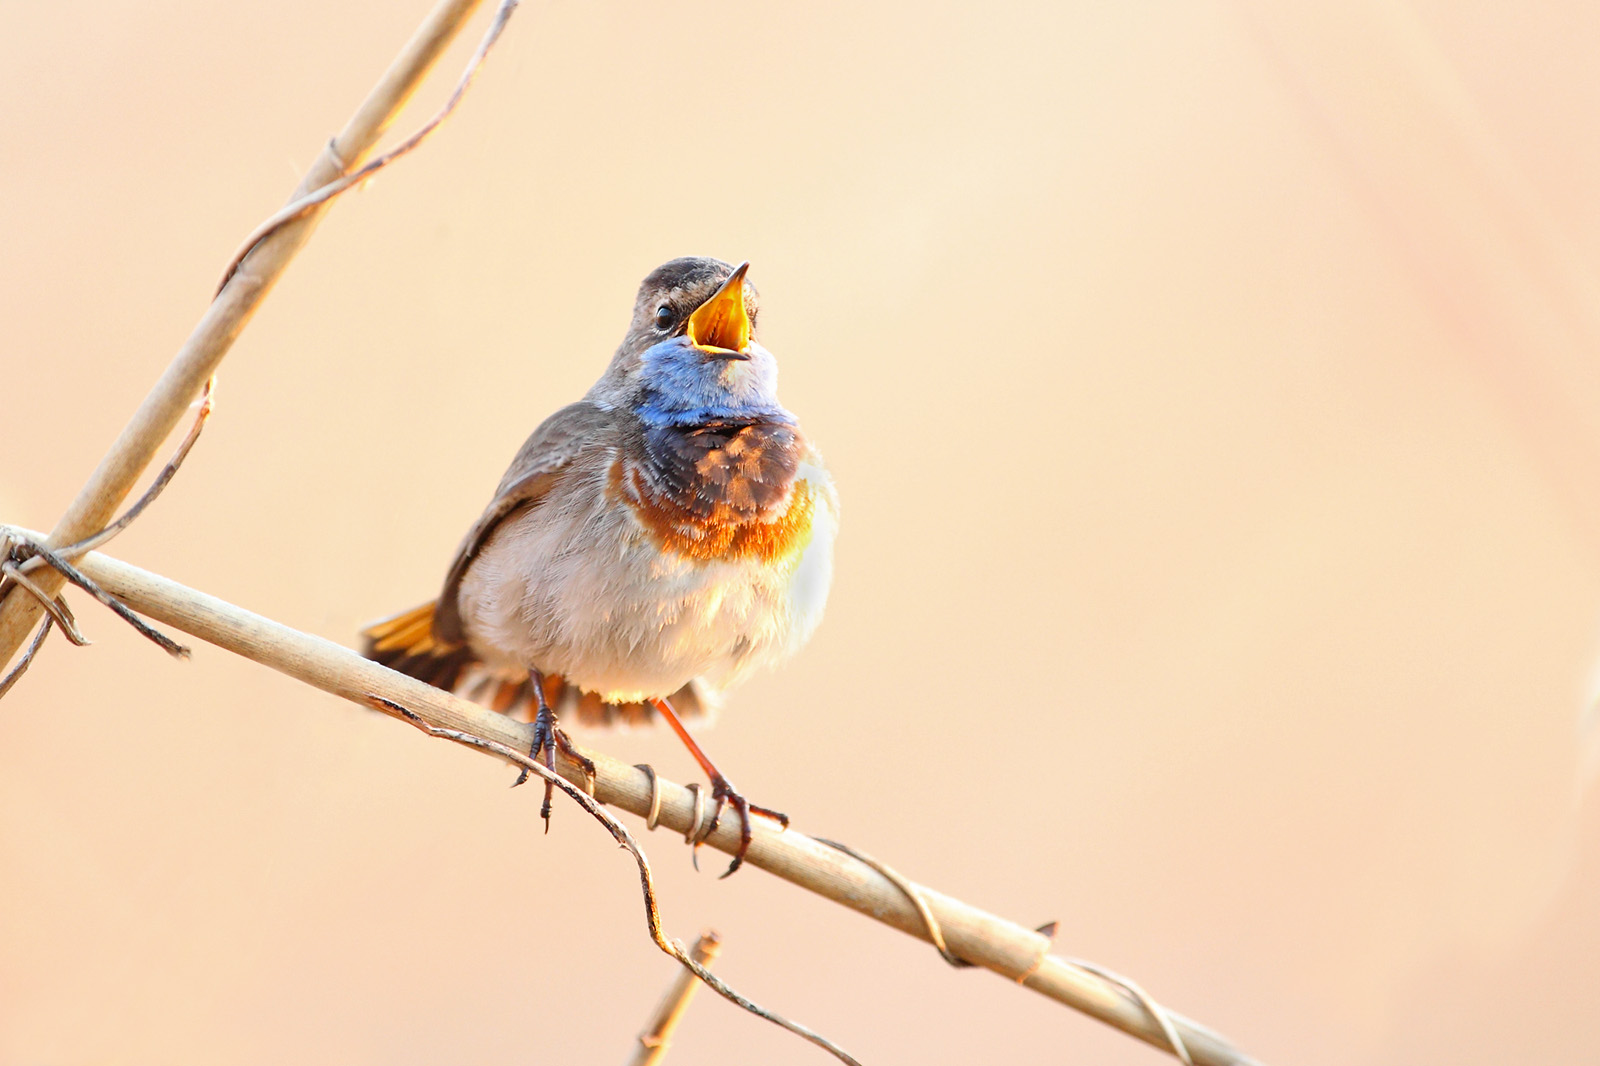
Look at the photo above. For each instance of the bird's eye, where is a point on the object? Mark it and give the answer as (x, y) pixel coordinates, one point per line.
(664, 317)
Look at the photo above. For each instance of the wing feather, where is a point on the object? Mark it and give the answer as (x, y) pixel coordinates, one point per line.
(552, 448)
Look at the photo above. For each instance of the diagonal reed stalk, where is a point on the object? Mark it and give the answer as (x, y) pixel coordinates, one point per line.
(231, 310)
(1013, 951)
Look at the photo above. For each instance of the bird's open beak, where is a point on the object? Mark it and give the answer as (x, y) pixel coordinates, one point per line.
(720, 327)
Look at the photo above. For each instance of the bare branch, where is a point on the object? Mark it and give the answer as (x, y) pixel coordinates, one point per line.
(1011, 950)
(930, 924)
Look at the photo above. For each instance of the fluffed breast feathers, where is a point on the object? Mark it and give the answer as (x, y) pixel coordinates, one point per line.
(722, 491)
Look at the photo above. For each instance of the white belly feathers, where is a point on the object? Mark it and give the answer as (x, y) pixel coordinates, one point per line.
(582, 591)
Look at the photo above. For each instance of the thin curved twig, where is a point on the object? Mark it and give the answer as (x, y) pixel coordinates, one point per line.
(54, 606)
(58, 613)
(289, 212)
(16, 672)
(907, 889)
(1156, 1011)
(90, 543)
(621, 835)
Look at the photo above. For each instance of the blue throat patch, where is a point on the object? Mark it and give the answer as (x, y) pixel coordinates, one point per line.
(682, 387)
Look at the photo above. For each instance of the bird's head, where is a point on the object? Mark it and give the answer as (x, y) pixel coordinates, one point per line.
(690, 355)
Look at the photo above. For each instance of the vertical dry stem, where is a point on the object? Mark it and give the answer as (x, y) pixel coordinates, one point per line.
(657, 1034)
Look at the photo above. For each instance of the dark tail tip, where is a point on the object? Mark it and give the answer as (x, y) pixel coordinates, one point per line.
(405, 642)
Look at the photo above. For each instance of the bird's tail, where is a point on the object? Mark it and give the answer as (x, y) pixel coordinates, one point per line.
(406, 642)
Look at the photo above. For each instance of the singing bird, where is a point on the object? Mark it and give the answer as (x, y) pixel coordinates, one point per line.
(650, 544)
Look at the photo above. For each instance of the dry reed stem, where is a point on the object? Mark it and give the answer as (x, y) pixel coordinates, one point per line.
(974, 935)
(657, 1034)
(230, 311)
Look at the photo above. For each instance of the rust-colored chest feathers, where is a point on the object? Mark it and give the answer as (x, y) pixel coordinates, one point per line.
(725, 490)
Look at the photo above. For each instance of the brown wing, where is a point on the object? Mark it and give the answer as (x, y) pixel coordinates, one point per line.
(548, 452)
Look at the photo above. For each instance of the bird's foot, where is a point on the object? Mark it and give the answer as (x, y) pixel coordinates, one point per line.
(548, 738)
(721, 790)
(725, 794)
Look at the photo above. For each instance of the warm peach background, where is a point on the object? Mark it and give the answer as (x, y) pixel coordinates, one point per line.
(1214, 394)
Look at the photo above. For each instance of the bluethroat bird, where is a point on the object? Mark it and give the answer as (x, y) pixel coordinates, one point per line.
(650, 544)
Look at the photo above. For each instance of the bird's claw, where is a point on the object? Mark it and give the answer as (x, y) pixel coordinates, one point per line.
(724, 793)
(548, 738)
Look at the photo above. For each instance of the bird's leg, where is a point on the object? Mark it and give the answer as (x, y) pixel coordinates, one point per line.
(547, 737)
(721, 790)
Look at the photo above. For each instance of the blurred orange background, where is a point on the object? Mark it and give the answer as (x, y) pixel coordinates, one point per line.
(1213, 394)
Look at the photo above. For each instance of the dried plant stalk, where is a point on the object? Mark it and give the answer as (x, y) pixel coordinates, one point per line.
(657, 1034)
(1011, 950)
(228, 314)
